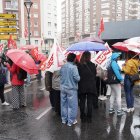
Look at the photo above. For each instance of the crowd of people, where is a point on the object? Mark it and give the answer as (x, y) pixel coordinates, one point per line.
(78, 84)
(83, 83)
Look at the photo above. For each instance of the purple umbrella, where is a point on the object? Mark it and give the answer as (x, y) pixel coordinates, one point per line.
(87, 46)
(93, 39)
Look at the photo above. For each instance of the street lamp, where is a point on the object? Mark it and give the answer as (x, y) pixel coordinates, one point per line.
(28, 4)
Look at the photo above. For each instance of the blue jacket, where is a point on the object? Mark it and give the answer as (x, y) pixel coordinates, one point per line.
(115, 66)
(69, 76)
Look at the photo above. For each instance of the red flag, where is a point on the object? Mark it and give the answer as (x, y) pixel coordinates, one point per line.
(25, 32)
(12, 43)
(101, 29)
(43, 65)
(34, 53)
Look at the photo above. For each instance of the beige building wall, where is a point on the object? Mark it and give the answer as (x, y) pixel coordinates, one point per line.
(81, 18)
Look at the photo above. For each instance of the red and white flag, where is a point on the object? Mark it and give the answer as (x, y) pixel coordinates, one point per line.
(12, 43)
(101, 29)
(103, 58)
(55, 59)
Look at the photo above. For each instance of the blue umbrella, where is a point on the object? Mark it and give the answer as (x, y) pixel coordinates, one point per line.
(87, 46)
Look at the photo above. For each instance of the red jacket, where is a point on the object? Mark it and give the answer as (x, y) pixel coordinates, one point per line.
(13, 71)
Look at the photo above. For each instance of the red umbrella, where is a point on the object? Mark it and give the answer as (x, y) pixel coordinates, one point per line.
(28, 47)
(120, 46)
(23, 60)
(126, 47)
(133, 41)
(93, 39)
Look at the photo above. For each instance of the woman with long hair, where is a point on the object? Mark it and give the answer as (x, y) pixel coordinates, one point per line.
(87, 87)
(130, 68)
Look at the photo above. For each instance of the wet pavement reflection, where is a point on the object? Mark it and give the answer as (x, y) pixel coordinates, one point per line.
(38, 122)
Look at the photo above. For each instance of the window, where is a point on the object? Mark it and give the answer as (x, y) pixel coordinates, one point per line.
(35, 33)
(8, 4)
(49, 32)
(35, 15)
(35, 24)
(55, 25)
(35, 6)
(36, 42)
(49, 24)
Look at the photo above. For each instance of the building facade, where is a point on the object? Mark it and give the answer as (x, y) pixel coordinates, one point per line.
(43, 21)
(81, 18)
(13, 7)
(48, 22)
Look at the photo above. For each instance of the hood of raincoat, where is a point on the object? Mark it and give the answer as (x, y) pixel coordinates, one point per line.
(115, 55)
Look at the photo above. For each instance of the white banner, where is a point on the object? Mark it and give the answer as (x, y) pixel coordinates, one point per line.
(55, 59)
(103, 57)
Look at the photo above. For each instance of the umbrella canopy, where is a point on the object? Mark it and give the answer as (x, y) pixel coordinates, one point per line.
(133, 41)
(93, 39)
(126, 47)
(120, 46)
(28, 47)
(87, 46)
(23, 60)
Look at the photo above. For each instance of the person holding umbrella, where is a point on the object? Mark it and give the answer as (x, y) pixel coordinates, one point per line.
(87, 87)
(130, 68)
(18, 97)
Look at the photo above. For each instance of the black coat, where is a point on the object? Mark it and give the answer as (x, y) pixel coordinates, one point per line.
(87, 83)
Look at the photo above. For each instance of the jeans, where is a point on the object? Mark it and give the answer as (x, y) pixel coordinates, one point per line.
(128, 88)
(69, 105)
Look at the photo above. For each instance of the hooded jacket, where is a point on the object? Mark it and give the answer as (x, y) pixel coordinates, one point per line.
(131, 66)
(115, 66)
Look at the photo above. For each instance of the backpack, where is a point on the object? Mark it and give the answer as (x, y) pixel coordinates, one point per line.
(111, 77)
(22, 74)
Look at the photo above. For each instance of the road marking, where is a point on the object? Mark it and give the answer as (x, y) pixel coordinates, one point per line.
(43, 113)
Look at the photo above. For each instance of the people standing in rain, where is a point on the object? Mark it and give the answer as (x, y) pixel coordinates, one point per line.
(3, 81)
(100, 83)
(18, 97)
(115, 80)
(48, 86)
(56, 90)
(87, 87)
(69, 78)
(131, 67)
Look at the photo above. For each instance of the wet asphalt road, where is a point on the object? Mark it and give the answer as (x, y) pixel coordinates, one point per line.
(39, 122)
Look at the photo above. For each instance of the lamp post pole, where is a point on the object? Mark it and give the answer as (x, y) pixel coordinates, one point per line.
(28, 5)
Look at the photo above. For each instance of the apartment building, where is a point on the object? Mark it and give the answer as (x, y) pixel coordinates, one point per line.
(13, 7)
(43, 21)
(35, 22)
(81, 18)
(48, 22)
